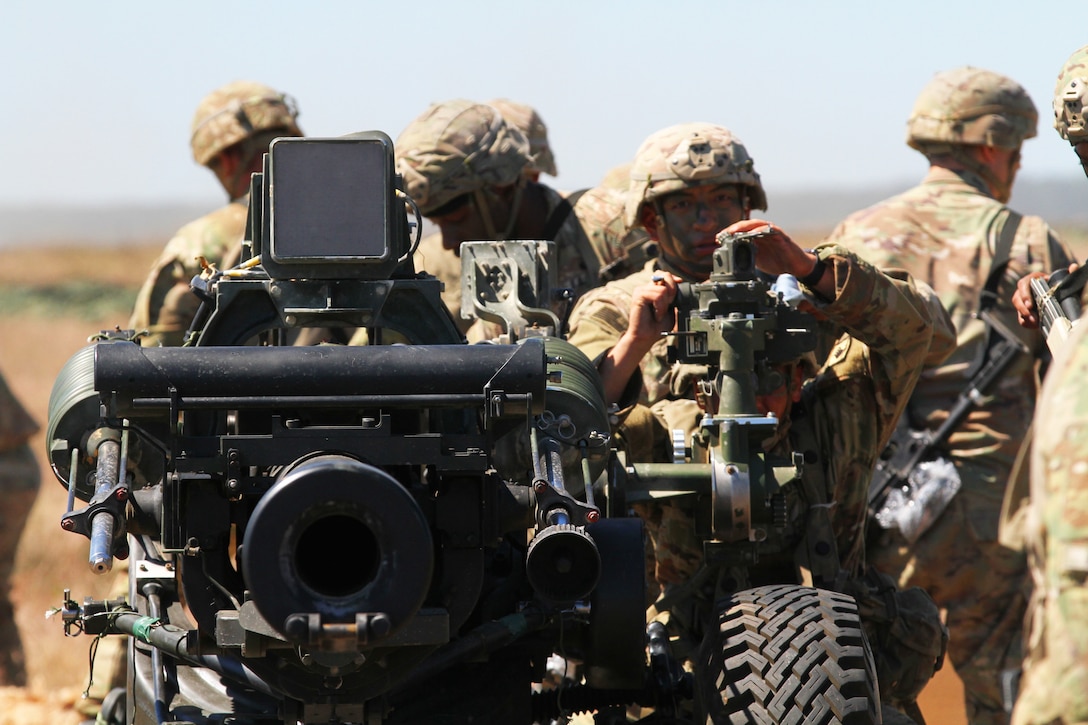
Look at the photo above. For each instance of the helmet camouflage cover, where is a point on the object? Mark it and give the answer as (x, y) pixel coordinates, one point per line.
(690, 155)
(457, 147)
(532, 125)
(236, 111)
(974, 107)
(618, 177)
(1070, 97)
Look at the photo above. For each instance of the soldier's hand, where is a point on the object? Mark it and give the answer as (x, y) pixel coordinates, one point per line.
(652, 312)
(1022, 301)
(1027, 314)
(776, 253)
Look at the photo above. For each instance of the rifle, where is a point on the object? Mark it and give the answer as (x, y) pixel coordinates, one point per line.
(1057, 298)
(908, 447)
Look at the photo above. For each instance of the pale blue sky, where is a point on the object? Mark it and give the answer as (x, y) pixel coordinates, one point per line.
(98, 96)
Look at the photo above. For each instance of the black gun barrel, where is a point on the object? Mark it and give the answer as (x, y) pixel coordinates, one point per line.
(437, 370)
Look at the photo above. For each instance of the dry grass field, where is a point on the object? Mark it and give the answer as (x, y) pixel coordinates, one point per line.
(45, 317)
(51, 299)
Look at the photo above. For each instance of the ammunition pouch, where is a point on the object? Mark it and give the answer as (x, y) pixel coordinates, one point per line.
(906, 634)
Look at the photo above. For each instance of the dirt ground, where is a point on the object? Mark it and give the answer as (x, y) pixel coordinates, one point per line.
(33, 348)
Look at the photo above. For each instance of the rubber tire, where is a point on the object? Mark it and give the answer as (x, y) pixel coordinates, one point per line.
(787, 654)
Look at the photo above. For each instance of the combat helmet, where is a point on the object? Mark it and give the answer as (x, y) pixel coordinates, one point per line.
(532, 125)
(237, 111)
(1070, 97)
(458, 147)
(685, 156)
(971, 107)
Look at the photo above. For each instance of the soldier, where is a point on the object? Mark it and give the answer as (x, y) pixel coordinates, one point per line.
(446, 264)
(1054, 688)
(955, 232)
(231, 130)
(687, 183)
(19, 479)
(465, 167)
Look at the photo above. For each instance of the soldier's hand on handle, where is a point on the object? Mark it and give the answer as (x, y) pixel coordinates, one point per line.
(652, 312)
(1025, 303)
(777, 253)
(1027, 314)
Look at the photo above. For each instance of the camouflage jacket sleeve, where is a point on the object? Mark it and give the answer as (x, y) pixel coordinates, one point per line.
(598, 320)
(901, 322)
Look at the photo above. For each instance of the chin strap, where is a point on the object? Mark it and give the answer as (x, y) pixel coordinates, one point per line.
(480, 198)
(665, 241)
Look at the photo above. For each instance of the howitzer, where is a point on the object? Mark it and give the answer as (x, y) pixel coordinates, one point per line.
(909, 448)
(385, 533)
(1058, 299)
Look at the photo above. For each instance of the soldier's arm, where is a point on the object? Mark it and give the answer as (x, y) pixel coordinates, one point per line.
(1059, 486)
(901, 322)
(617, 338)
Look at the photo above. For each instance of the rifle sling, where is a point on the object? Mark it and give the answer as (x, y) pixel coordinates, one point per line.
(987, 298)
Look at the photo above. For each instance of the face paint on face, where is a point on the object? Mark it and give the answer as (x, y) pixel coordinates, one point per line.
(693, 217)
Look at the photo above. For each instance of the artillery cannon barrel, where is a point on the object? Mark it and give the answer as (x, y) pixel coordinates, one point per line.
(132, 372)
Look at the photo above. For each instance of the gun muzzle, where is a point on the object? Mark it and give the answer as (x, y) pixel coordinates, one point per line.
(563, 564)
(339, 546)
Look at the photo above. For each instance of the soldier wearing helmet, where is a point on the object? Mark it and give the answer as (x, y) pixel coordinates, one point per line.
(1054, 687)
(688, 183)
(955, 232)
(466, 167)
(231, 130)
(498, 166)
(1070, 101)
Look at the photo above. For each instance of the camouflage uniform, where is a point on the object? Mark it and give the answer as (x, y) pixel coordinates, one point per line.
(165, 306)
(600, 210)
(239, 114)
(1054, 688)
(19, 480)
(945, 232)
(849, 409)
